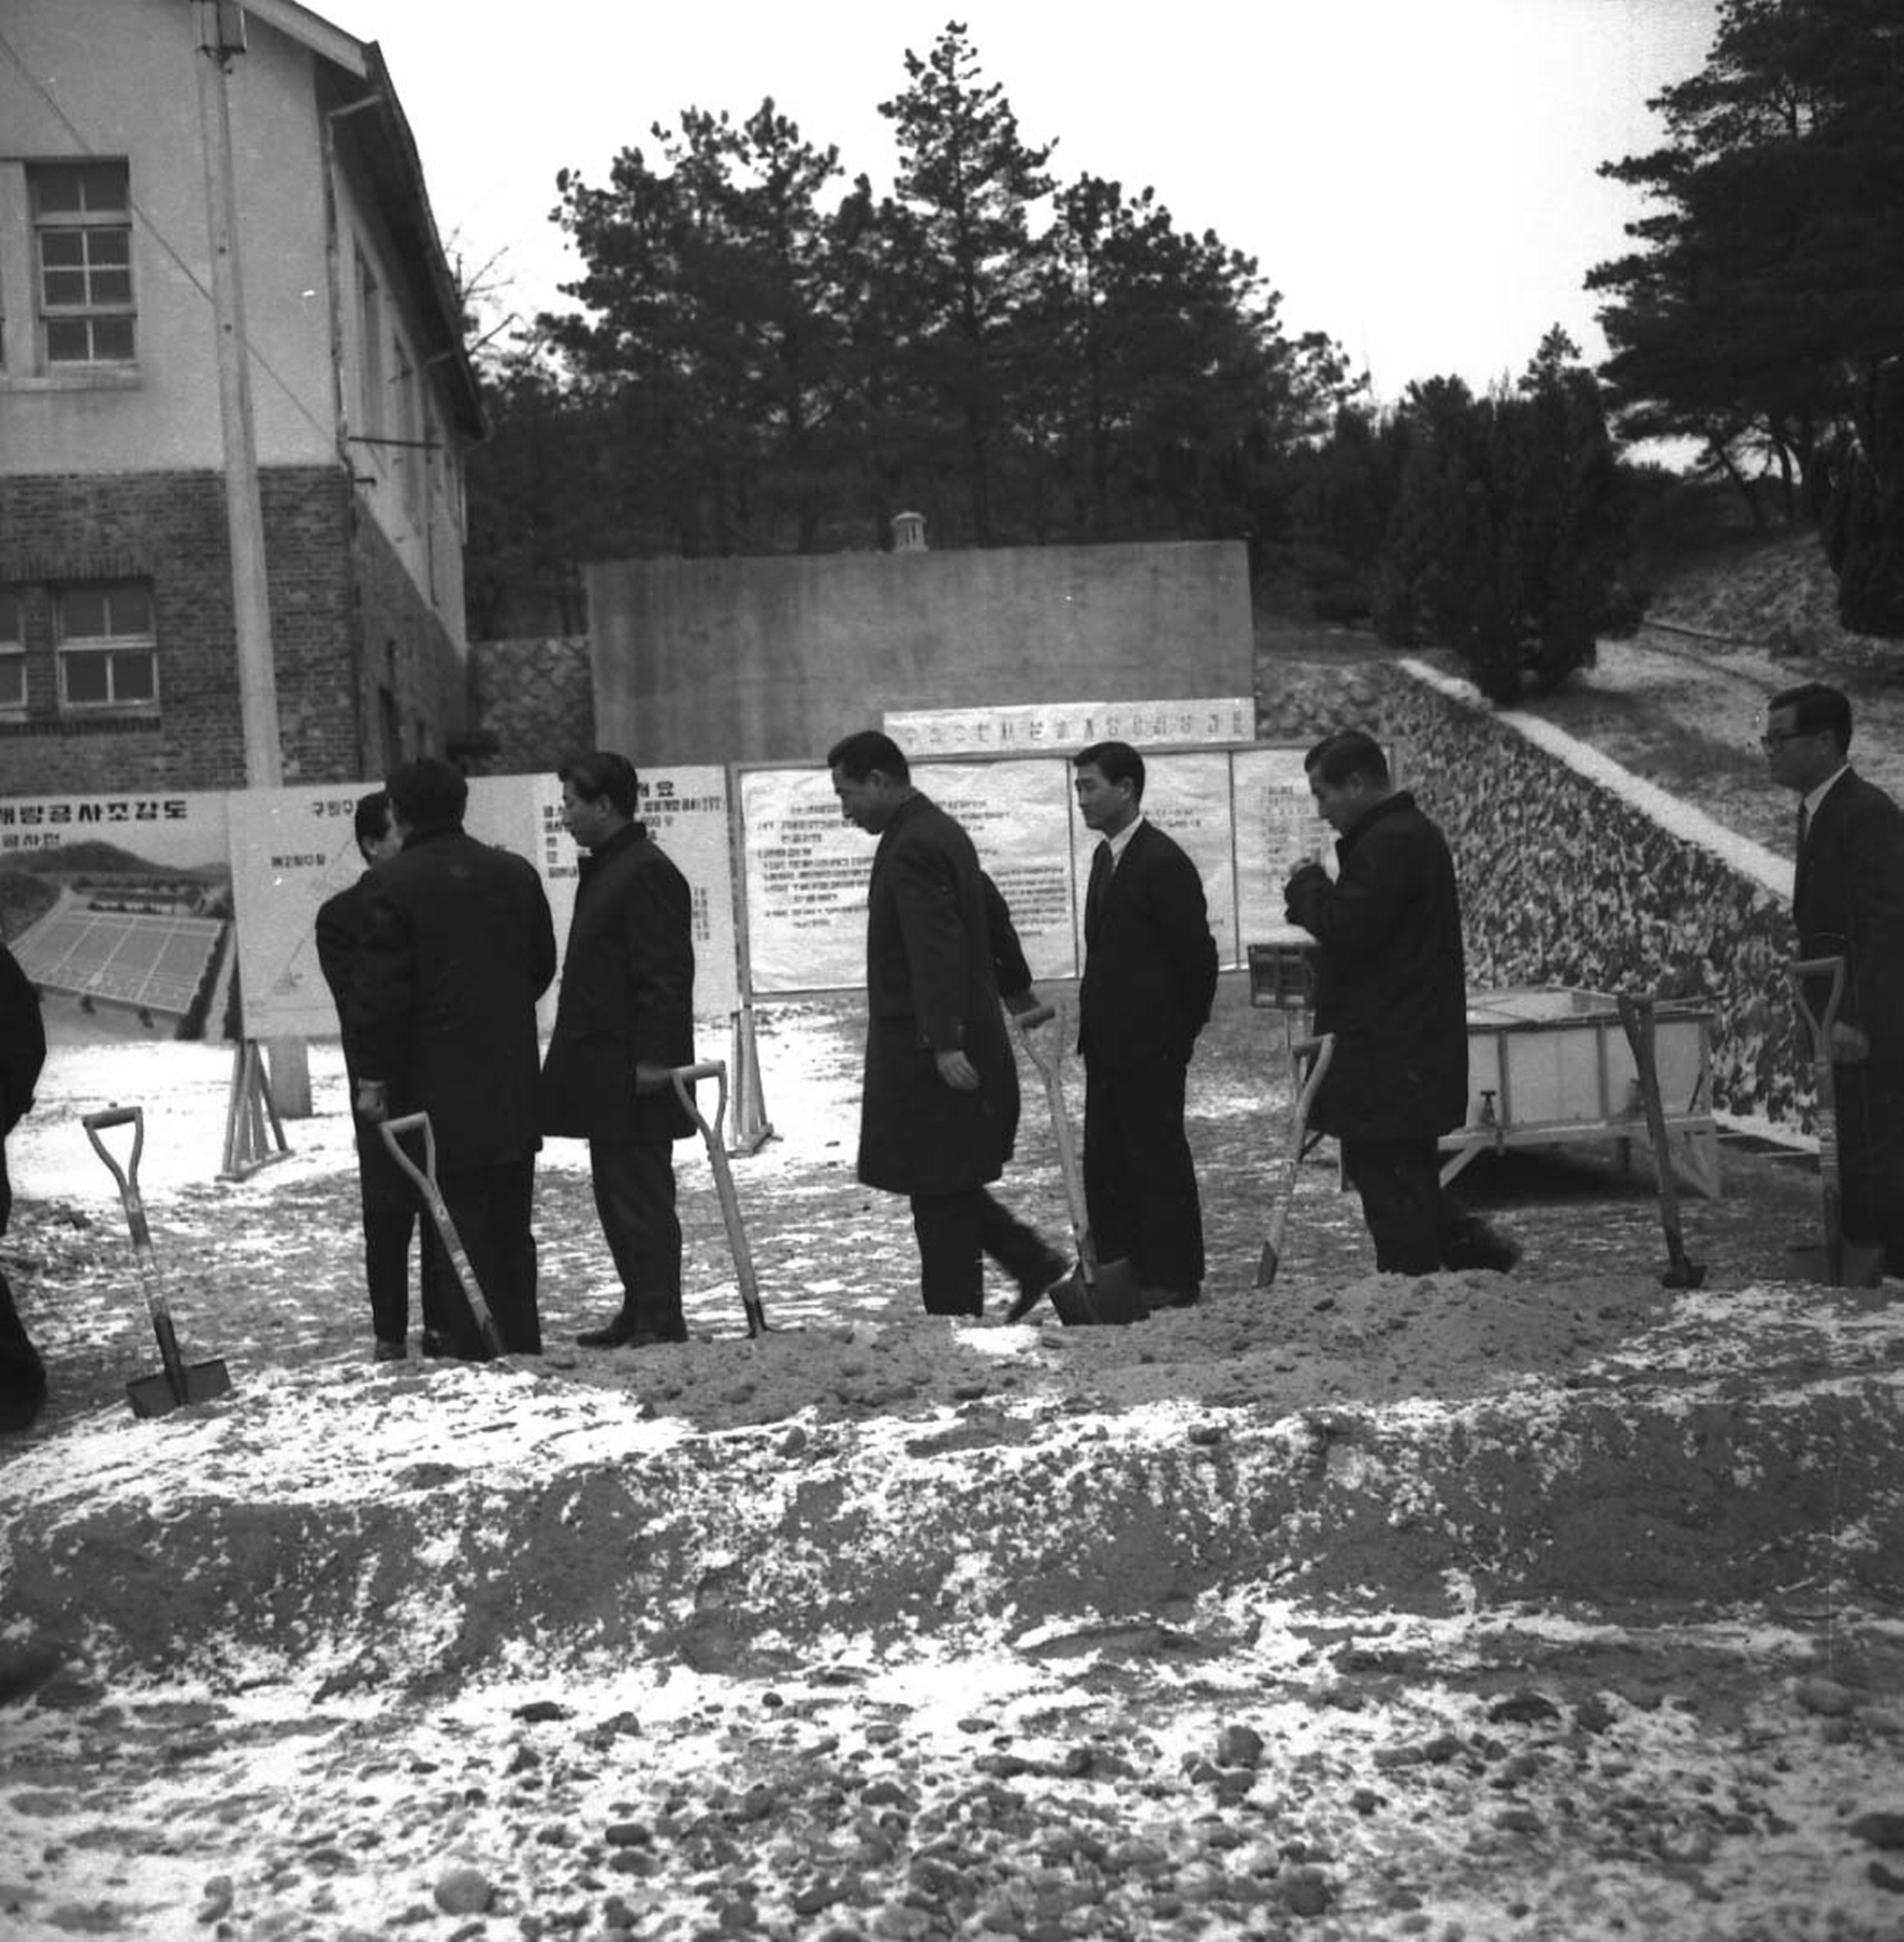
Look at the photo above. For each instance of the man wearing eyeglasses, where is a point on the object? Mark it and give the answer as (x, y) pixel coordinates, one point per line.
(1848, 901)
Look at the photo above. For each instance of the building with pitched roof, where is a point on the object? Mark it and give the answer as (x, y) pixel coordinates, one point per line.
(119, 631)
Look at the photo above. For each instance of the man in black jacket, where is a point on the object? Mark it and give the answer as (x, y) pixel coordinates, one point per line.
(1848, 901)
(390, 1201)
(23, 1052)
(939, 1114)
(456, 948)
(1391, 984)
(625, 1019)
(1150, 976)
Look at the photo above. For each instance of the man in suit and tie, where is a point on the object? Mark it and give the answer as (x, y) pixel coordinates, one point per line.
(1848, 901)
(1150, 976)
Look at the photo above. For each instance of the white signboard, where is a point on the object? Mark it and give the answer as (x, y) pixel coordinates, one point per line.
(1276, 827)
(118, 907)
(805, 870)
(1188, 798)
(292, 848)
(1019, 816)
(1064, 727)
(690, 813)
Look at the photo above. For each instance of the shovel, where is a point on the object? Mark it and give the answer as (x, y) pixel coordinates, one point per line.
(684, 1078)
(1104, 1291)
(1831, 1185)
(1636, 1019)
(180, 1382)
(1303, 1090)
(424, 1178)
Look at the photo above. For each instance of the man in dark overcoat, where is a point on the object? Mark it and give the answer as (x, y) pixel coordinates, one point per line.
(623, 1021)
(1150, 978)
(390, 1201)
(457, 946)
(23, 1052)
(939, 1113)
(1848, 901)
(1391, 984)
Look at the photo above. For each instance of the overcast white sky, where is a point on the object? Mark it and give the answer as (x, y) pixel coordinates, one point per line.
(1415, 176)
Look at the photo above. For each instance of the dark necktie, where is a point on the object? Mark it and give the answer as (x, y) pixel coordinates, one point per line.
(1093, 892)
(1798, 873)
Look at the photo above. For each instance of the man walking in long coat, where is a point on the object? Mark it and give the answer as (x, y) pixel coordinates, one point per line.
(457, 946)
(625, 1019)
(939, 1113)
(1390, 984)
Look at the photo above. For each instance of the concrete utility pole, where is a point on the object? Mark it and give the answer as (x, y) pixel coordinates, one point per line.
(221, 34)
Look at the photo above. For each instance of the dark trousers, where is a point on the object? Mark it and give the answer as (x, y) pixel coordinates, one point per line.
(22, 1376)
(1870, 1157)
(386, 1272)
(955, 1232)
(1411, 1217)
(1140, 1181)
(634, 1196)
(490, 1209)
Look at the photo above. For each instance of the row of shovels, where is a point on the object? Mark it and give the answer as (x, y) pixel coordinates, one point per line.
(176, 1383)
(1101, 1292)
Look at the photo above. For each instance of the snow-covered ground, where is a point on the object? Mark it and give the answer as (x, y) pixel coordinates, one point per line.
(1325, 1614)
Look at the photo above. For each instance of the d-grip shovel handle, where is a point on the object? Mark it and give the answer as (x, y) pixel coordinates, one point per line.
(1028, 1023)
(392, 1131)
(1319, 1052)
(96, 1123)
(1819, 1024)
(684, 1078)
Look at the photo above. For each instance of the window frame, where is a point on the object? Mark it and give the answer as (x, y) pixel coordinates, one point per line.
(13, 648)
(106, 649)
(85, 223)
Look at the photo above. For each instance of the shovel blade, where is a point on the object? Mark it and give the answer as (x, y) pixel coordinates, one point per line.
(1117, 1295)
(154, 1396)
(1266, 1266)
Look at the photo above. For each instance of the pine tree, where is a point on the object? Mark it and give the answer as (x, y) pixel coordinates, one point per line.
(969, 184)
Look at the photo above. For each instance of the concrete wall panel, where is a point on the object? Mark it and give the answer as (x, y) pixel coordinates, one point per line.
(772, 659)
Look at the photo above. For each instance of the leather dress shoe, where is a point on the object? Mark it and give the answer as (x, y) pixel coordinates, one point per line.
(656, 1338)
(1156, 1295)
(1033, 1288)
(612, 1334)
(625, 1332)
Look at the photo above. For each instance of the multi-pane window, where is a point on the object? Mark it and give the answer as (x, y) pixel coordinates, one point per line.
(109, 653)
(83, 248)
(12, 652)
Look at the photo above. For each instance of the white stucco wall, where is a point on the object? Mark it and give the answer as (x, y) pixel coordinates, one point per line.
(119, 78)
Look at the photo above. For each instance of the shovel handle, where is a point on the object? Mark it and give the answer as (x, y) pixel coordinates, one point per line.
(392, 1131)
(1044, 1054)
(1819, 1024)
(1320, 1051)
(686, 1077)
(96, 1123)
